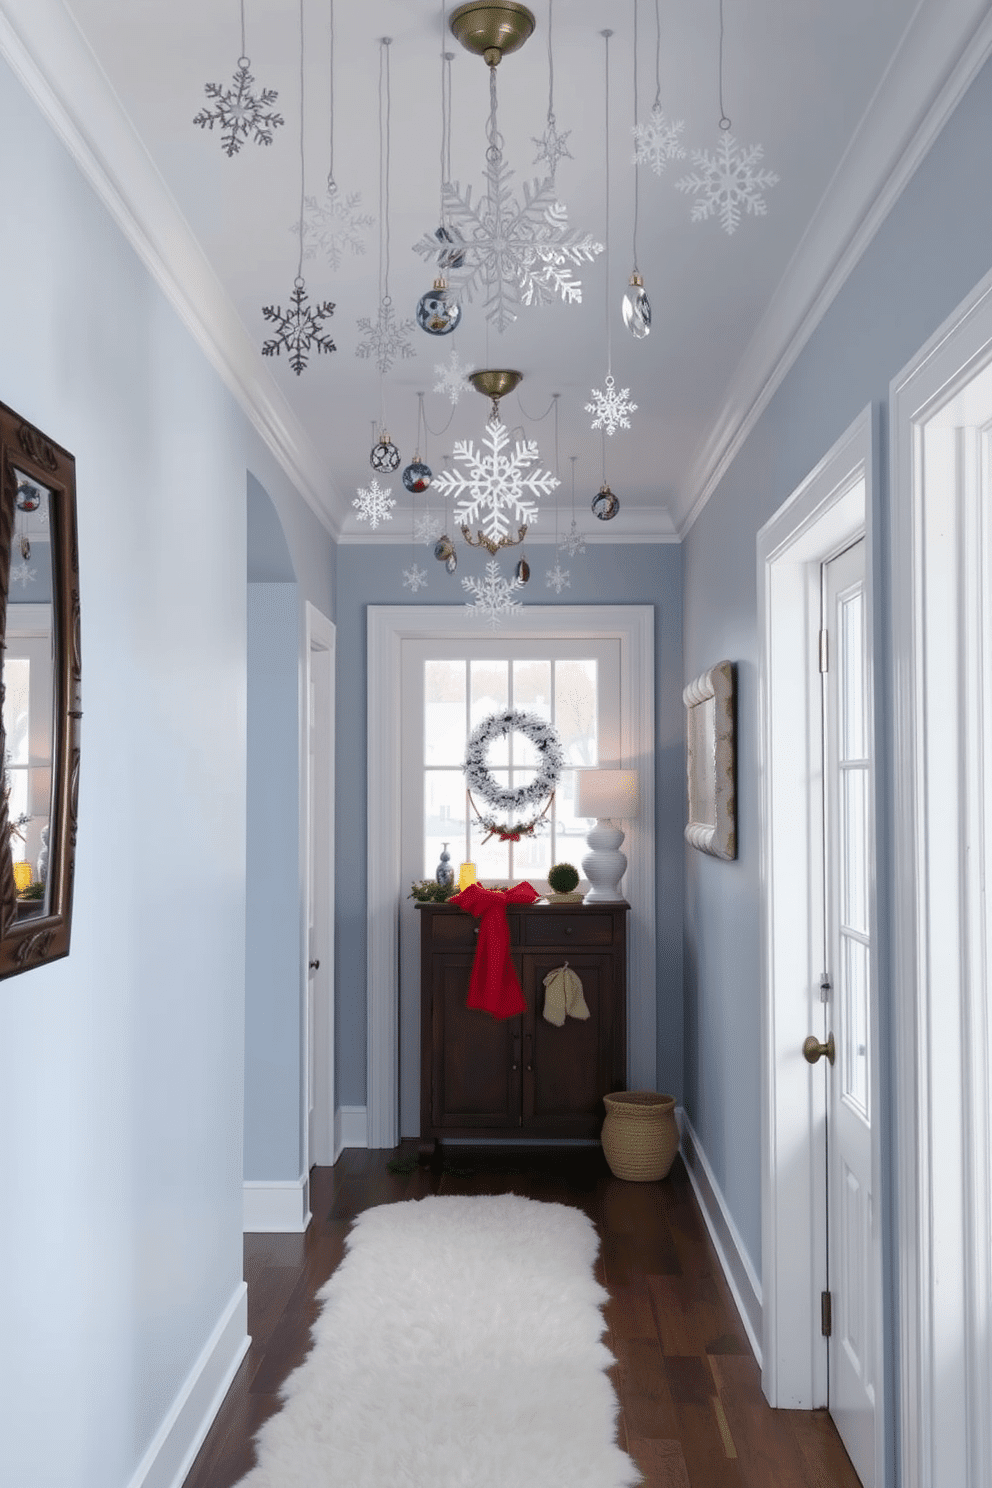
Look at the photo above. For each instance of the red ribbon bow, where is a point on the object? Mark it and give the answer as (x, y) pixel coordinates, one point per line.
(494, 986)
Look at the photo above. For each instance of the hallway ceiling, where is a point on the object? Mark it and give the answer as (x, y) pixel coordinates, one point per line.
(806, 80)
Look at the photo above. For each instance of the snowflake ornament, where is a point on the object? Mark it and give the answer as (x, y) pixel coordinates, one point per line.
(727, 182)
(498, 488)
(426, 528)
(612, 408)
(558, 578)
(574, 542)
(300, 329)
(242, 114)
(333, 226)
(452, 377)
(373, 504)
(414, 578)
(22, 574)
(517, 255)
(657, 141)
(387, 339)
(552, 146)
(493, 596)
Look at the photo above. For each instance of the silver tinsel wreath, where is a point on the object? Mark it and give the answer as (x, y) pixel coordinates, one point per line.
(544, 737)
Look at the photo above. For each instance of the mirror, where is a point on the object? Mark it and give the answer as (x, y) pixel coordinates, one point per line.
(39, 694)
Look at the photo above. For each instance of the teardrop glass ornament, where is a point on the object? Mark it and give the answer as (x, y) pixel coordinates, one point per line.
(522, 571)
(452, 562)
(417, 476)
(438, 312)
(604, 504)
(636, 308)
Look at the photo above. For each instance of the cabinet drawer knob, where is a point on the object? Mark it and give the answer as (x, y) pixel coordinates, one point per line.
(475, 929)
(568, 929)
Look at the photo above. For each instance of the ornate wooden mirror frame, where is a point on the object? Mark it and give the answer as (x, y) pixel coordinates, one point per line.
(40, 691)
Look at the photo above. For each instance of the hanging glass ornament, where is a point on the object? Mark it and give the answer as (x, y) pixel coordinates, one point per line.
(444, 550)
(604, 504)
(28, 496)
(438, 312)
(417, 476)
(25, 546)
(384, 455)
(636, 308)
(522, 571)
(452, 562)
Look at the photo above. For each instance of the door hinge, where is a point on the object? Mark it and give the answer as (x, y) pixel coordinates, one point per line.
(826, 1314)
(826, 987)
(824, 652)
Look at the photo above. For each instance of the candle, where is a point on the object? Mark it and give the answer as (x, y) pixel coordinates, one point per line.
(466, 875)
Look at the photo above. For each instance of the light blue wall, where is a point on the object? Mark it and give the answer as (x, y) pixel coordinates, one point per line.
(931, 251)
(604, 574)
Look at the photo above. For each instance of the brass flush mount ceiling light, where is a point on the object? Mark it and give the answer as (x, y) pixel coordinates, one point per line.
(491, 31)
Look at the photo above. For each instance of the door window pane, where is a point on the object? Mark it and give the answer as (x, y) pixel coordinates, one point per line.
(854, 741)
(854, 1054)
(490, 694)
(577, 711)
(854, 849)
(444, 712)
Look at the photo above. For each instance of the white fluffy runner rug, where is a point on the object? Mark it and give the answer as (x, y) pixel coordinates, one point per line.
(459, 1346)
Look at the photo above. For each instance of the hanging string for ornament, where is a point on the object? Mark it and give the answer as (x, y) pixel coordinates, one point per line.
(552, 145)
(604, 504)
(658, 141)
(536, 418)
(635, 306)
(557, 578)
(414, 577)
(386, 339)
(444, 548)
(439, 311)
(727, 185)
(427, 528)
(299, 330)
(611, 408)
(417, 476)
(241, 114)
(574, 542)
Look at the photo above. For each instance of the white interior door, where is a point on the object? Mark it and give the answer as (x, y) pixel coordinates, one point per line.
(319, 1020)
(849, 854)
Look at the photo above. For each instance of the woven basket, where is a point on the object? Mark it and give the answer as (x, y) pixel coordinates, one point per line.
(640, 1137)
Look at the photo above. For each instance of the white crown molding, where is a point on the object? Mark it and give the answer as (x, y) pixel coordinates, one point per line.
(47, 52)
(942, 51)
(636, 524)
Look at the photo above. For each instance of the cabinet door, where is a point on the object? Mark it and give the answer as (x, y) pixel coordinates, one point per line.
(475, 1058)
(568, 1070)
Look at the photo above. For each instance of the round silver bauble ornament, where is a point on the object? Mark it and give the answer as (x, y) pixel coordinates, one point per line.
(604, 504)
(438, 312)
(417, 476)
(384, 456)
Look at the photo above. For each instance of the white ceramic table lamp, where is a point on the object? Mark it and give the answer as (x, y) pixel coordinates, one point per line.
(610, 796)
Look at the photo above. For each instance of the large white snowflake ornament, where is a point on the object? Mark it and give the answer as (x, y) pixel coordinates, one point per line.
(726, 182)
(242, 114)
(334, 226)
(426, 528)
(374, 505)
(558, 578)
(513, 254)
(657, 142)
(452, 377)
(574, 542)
(386, 339)
(414, 578)
(493, 596)
(612, 409)
(498, 490)
(299, 329)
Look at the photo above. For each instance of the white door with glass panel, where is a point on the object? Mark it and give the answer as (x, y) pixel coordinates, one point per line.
(848, 992)
(448, 689)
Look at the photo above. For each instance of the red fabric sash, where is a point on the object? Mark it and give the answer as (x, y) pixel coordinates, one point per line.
(494, 986)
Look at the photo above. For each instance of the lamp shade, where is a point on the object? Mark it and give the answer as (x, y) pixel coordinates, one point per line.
(608, 795)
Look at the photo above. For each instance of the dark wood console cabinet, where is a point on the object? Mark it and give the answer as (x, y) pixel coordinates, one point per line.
(522, 1077)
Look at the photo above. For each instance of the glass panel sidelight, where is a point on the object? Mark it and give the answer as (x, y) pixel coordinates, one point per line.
(850, 618)
(854, 1051)
(854, 849)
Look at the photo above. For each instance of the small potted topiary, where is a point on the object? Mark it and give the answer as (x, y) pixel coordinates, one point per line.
(562, 880)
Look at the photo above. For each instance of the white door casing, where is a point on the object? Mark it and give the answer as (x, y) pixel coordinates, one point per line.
(319, 895)
(387, 627)
(831, 508)
(941, 586)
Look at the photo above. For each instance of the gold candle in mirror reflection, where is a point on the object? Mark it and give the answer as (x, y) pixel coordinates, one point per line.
(466, 876)
(22, 876)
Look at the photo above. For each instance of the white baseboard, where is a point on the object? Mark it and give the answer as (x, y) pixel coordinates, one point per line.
(173, 1450)
(278, 1207)
(738, 1270)
(351, 1128)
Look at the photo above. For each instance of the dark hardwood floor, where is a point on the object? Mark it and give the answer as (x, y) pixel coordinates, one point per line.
(692, 1412)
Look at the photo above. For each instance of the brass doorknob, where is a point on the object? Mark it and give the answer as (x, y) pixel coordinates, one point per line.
(314, 965)
(814, 1050)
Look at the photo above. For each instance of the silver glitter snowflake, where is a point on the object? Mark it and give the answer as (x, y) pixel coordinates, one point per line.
(426, 528)
(386, 339)
(22, 574)
(493, 596)
(551, 146)
(498, 489)
(727, 182)
(299, 329)
(612, 408)
(414, 578)
(452, 377)
(334, 226)
(373, 504)
(657, 141)
(574, 542)
(242, 114)
(558, 578)
(516, 255)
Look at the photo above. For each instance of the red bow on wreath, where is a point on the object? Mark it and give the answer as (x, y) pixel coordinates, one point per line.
(494, 986)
